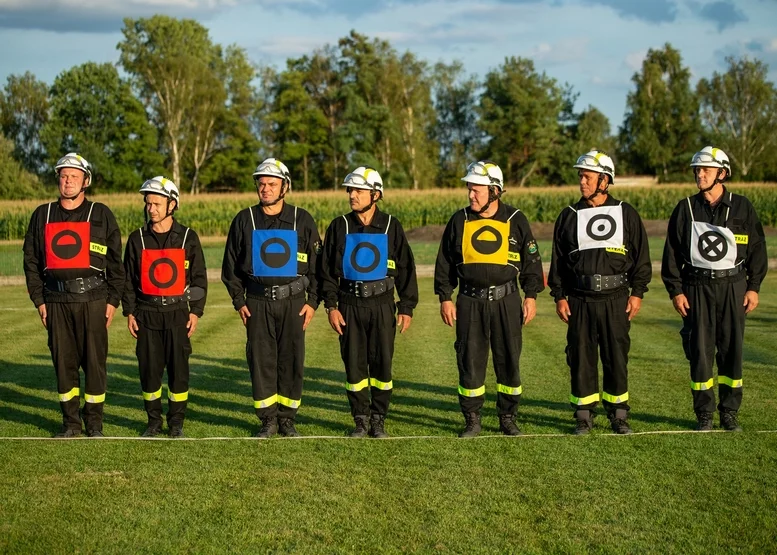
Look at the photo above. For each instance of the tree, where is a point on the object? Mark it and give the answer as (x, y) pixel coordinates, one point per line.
(94, 113)
(661, 128)
(23, 113)
(16, 183)
(739, 113)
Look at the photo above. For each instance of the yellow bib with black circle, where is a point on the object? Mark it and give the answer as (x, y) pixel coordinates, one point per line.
(485, 242)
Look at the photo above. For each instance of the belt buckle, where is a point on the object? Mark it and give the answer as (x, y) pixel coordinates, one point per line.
(163, 300)
(81, 285)
(597, 285)
(274, 293)
(491, 293)
(358, 288)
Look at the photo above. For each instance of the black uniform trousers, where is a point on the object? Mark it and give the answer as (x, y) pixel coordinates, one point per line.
(275, 351)
(481, 324)
(367, 349)
(78, 338)
(163, 342)
(715, 321)
(603, 326)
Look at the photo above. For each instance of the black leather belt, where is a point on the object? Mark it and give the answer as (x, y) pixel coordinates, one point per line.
(493, 293)
(191, 294)
(713, 274)
(278, 292)
(598, 282)
(367, 288)
(78, 285)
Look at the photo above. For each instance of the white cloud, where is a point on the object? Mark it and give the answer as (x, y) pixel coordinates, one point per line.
(633, 60)
(561, 52)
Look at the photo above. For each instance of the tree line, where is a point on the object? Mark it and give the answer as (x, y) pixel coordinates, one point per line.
(204, 115)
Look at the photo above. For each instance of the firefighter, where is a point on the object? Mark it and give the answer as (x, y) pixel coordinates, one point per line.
(269, 272)
(484, 248)
(599, 271)
(72, 264)
(164, 297)
(713, 265)
(366, 258)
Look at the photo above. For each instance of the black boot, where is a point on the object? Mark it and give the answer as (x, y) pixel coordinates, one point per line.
(729, 422)
(176, 431)
(67, 433)
(584, 422)
(618, 421)
(152, 430)
(269, 427)
(703, 421)
(286, 427)
(360, 430)
(377, 429)
(508, 426)
(471, 424)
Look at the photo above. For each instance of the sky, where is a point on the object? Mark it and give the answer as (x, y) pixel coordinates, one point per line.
(594, 45)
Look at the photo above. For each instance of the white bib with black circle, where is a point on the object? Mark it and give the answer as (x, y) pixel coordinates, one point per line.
(712, 247)
(600, 227)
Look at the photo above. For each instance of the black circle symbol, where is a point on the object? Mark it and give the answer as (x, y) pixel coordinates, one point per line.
(601, 227)
(271, 257)
(63, 248)
(153, 277)
(365, 269)
(713, 246)
(487, 246)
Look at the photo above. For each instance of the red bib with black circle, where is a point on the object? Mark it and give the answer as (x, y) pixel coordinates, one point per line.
(67, 245)
(163, 272)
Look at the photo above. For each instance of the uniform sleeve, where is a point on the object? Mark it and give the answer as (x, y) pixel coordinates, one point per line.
(672, 260)
(757, 262)
(313, 249)
(557, 267)
(114, 267)
(445, 277)
(639, 250)
(131, 279)
(406, 282)
(198, 273)
(230, 273)
(531, 278)
(34, 261)
(328, 281)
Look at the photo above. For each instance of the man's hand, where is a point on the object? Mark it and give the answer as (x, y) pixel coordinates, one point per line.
(336, 320)
(191, 325)
(633, 306)
(680, 303)
(245, 314)
(132, 326)
(751, 301)
(448, 312)
(403, 322)
(110, 310)
(42, 313)
(562, 309)
(308, 312)
(529, 310)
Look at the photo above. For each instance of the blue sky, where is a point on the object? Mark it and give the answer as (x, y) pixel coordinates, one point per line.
(595, 45)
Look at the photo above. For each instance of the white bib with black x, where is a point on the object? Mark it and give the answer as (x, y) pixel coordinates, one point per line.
(600, 227)
(712, 247)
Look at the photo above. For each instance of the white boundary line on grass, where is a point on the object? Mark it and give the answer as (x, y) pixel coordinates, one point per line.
(248, 438)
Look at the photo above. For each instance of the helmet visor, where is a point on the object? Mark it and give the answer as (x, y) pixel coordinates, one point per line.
(73, 161)
(707, 159)
(356, 180)
(270, 169)
(479, 168)
(587, 162)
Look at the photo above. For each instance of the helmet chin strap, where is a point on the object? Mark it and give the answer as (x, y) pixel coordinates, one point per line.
(599, 190)
(284, 189)
(493, 196)
(717, 180)
(373, 200)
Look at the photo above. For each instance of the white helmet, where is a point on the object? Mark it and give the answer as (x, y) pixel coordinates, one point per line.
(161, 186)
(74, 160)
(597, 161)
(484, 172)
(366, 178)
(711, 157)
(273, 168)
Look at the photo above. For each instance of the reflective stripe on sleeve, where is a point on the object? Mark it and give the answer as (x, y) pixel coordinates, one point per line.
(464, 392)
(178, 397)
(622, 398)
(264, 403)
(702, 386)
(384, 386)
(507, 390)
(152, 396)
(357, 386)
(291, 403)
(584, 400)
(94, 398)
(725, 380)
(65, 397)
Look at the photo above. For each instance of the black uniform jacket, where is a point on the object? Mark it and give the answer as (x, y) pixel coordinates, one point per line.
(236, 268)
(742, 221)
(105, 235)
(331, 262)
(196, 274)
(450, 269)
(566, 265)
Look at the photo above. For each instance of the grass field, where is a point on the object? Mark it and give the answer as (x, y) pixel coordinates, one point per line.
(548, 492)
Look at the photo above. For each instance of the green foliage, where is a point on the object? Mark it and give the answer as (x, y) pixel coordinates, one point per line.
(16, 183)
(23, 113)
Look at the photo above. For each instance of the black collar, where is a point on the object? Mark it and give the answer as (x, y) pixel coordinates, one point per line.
(379, 219)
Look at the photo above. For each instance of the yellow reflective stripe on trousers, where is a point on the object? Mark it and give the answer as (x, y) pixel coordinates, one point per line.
(65, 397)
(384, 386)
(622, 398)
(292, 403)
(357, 386)
(584, 400)
(264, 403)
(177, 397)
(702, 386)
(94, 398)
(725, 380)
(507, 390)
(464, 392)
(152, 396)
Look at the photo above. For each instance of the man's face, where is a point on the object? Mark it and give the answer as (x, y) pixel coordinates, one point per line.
(269, 188)
(478, 196)
(156, 206)
(359, 198)
(71, 181)
(589, 181)
(705, 176)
